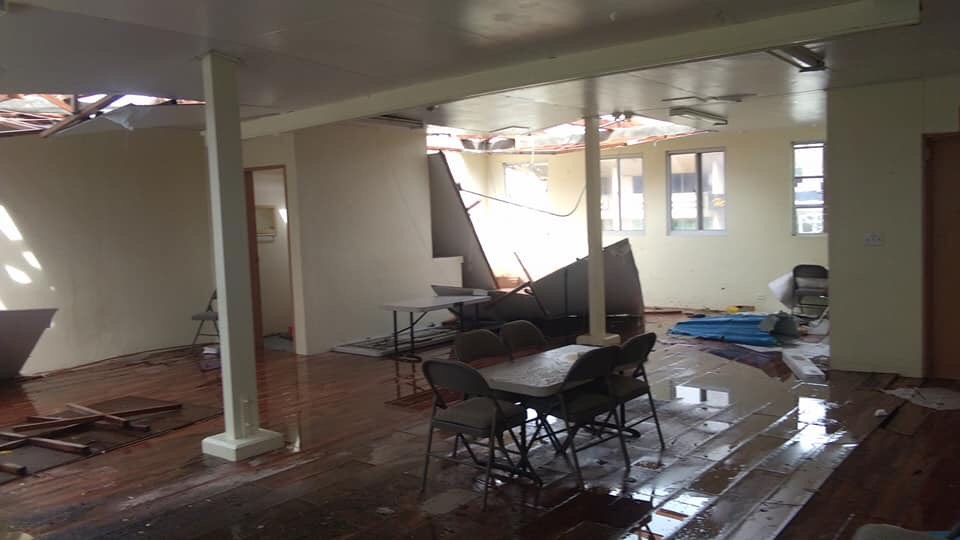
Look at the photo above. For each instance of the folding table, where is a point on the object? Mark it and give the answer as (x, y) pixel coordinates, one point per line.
(426, 305)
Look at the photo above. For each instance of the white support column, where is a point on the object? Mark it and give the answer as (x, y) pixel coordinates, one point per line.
(242, 437)
(596, 290)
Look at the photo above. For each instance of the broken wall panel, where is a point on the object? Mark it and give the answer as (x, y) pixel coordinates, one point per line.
(564, 291)
(453, 232)
(20, 329)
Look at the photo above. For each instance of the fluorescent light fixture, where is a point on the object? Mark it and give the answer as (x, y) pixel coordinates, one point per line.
(8, 227)
(18, 275)
(32, 260)
(283, 214)
(696, 114)
(512, 130)
(800, 57)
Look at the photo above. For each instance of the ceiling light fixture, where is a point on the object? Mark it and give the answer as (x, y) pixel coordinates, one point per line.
(694, 114)
(398, 121)
(800, 57)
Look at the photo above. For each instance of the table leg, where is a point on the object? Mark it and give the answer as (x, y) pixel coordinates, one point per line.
(396, 336)
(412, 341)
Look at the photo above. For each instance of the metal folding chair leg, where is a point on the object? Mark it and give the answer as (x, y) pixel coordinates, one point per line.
(656, 420)
(490, 459)
(426, 460)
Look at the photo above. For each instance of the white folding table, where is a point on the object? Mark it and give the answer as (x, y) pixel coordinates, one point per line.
(426, 305)
(538, 375)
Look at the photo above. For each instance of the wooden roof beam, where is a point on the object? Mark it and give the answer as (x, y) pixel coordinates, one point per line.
(82, 115)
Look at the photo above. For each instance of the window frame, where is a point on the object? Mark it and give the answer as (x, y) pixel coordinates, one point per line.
(700, 230)
(795, 227)
(620, 229)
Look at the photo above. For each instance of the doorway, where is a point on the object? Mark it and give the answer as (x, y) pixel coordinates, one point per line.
(942, 258)
(269, 257)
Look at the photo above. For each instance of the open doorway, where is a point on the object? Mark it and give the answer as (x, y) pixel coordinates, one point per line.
(270, 257)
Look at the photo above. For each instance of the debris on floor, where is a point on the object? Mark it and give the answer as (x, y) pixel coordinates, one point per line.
(731, 328)
(941, 399)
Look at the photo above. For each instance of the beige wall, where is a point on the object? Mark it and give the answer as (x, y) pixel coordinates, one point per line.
(276, 302)
(365, 228)
(875, 166)
(120, 225)
(689, 271)
(271, 151)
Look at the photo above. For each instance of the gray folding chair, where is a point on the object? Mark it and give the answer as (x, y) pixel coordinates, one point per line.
(811, 282)
(481, 416)
(470, 347)
(633, 357)
(522, 337)
(584, 396)
(209, 315)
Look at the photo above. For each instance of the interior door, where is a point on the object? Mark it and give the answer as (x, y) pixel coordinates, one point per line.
(942, 239)
(254, 261)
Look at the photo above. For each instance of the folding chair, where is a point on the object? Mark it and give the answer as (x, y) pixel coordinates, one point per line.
(584, 396)
(210, 315)
(521, 337)
(481, 416)
(811, 281)
(475, 345)
(634, 353)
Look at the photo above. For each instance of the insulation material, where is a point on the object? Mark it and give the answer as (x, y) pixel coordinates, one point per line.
(941, 399)
(782, 289)
(20, 329)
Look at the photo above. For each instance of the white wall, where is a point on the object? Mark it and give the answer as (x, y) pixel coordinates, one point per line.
(365, 228)
(276, 299)
(875, 164)
(120, 225)
(695, 271)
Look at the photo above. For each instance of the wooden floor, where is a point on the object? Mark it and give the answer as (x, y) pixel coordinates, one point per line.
(745, 453)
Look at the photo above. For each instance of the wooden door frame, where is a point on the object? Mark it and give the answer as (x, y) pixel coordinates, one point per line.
(927, 247)
(253, 249)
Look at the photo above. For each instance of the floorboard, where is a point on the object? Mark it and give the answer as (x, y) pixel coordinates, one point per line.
(745, 453)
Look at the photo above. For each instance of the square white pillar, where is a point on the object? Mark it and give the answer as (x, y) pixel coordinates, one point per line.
(242, 437)
(596, 291)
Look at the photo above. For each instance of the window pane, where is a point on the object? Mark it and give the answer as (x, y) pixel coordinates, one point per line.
(809, 220)
(808, 159)
(683, 192)
(808, 191)
(631, 194)
(609, 184)
(714, 191)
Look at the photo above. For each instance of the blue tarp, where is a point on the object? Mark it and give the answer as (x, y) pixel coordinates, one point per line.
(731, 328)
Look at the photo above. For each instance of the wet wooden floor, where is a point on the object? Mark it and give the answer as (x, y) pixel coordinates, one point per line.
(745, 452)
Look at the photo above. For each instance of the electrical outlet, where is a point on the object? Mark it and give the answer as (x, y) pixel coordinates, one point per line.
(873, 239)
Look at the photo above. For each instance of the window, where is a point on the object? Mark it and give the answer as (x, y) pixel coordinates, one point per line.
(698, 199)
(526, 184)
(808, 188)
(621, 200)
